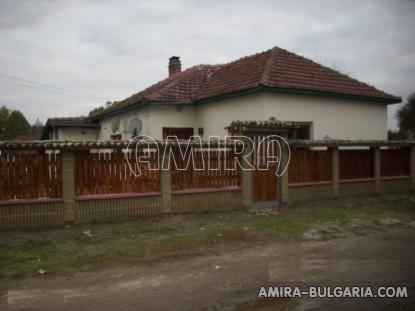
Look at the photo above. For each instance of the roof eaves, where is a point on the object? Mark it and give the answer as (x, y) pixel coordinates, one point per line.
(171, 102)
(78, 125)
(388, 100)
(228, 95)
(265, 88)
(108, 113)
(70, 122)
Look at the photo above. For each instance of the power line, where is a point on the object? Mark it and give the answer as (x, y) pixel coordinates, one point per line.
(50, 87)
(47, 88)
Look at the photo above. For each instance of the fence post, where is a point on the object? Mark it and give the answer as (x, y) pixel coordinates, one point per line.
(376, 169)
(165, 181)
(246, 176)
(68, 185)
(413, 168)
(335, 171)
(284, 190)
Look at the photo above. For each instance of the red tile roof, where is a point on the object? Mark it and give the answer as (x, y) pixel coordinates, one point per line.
(179, 88)
(276, 68)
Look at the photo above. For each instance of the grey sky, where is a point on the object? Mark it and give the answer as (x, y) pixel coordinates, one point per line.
(112, 49)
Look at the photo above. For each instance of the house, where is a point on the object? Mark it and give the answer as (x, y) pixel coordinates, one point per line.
(79, 128)
(270, 92)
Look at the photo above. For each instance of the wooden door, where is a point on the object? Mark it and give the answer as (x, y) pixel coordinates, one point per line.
(179, 132)
(264, 185)
(264, 180)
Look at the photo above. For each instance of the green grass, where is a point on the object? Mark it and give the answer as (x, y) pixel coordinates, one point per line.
(56, 249)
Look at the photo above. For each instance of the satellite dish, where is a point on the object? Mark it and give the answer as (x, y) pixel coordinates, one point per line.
(115, 125)
(135, 127)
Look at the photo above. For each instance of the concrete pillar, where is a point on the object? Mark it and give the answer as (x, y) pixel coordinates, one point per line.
(283, 180)
(376, 168)
(165, 181)
(68, 185)
(246, 182)
(335, 171)
(413, 168)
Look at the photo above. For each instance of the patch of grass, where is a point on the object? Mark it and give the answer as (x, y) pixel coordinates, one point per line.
(26, 250)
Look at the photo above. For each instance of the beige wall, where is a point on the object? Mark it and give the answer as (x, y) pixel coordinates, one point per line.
(68, 133)
(215, 116)
(335, 117)
(169, 116)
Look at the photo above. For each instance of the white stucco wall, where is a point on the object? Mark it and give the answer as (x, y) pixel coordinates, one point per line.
(68, 133)
(154, 118)
(125, 118)
(335, 117)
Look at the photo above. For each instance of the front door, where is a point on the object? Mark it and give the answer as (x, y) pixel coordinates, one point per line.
(179, 132)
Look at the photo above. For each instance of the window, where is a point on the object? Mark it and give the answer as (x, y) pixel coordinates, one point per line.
(303, 132)
(180, 132)
(116, 137)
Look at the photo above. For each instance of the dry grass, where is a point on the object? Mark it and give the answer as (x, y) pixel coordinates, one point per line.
(56, 249)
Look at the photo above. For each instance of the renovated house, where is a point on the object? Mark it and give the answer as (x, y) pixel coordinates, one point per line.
(269, 92)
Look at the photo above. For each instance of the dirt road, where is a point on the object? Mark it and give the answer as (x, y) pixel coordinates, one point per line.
(229, 278)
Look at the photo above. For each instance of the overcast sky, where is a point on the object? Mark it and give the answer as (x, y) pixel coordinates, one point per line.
(111, 49)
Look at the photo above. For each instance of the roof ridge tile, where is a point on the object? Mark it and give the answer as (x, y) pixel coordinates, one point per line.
(268, 67)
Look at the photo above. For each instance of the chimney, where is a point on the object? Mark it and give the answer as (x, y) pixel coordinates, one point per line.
(175, 66)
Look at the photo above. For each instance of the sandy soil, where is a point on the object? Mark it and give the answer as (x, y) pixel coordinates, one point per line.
(229, 278)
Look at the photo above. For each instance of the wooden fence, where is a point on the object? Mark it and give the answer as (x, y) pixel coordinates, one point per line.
(308, 166)
(207, 169)
(356, 164)
(357, 171)
(47, 183)
(30, 174)
(395, 162)
(115, 172)
(313, 166)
